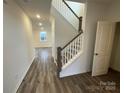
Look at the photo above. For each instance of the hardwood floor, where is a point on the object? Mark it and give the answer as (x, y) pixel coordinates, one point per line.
(42, 78)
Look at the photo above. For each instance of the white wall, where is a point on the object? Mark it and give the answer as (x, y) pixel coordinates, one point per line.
(18, 51)
(36, 38)
(113, 11)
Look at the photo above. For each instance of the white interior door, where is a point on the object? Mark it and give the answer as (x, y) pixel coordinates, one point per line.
(103, 46)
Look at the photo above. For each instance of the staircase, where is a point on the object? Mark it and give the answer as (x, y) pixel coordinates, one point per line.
(67, 54)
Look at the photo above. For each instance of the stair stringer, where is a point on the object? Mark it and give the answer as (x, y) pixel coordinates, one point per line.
(74, 66)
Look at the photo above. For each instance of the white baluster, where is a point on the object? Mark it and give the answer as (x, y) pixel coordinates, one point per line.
(81, 41)
(76, 45)
(67, 53)
(74, 48)
(70, 51)
(62, 58)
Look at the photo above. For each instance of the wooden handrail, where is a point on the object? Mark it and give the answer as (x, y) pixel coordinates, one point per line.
(72, 40)
(79, 18)
(70, 9)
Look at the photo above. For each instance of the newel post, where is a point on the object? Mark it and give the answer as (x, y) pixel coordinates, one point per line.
(59, 57)
(80, 24)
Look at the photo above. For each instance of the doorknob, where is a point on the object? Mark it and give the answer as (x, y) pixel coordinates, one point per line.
(96, 54)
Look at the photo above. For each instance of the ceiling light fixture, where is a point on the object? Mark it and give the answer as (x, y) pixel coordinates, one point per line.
(40, 24)
(38, 16)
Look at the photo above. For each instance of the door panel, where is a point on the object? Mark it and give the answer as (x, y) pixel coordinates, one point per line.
(103, 45)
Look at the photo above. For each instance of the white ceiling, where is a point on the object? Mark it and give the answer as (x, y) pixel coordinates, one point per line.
(33, 7)
(42, 7)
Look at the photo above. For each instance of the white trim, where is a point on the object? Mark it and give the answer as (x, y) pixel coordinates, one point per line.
(73, 74)
(42, 46)
(20, 81)
(55, 62)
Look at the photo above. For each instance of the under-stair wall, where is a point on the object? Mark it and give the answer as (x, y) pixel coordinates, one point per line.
(64, 31)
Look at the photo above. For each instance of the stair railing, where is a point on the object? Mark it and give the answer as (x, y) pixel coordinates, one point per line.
(73, 47)
(79, 18)
(66, 53)
(67, 12)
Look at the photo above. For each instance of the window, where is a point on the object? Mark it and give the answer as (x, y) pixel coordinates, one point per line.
(43, 36)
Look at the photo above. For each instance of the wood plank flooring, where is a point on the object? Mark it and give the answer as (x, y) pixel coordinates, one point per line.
(42, 78)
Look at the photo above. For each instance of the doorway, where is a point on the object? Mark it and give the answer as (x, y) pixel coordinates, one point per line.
(105, 37)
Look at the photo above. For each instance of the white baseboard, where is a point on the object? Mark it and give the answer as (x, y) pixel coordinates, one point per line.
(72, 74)
(20, 81)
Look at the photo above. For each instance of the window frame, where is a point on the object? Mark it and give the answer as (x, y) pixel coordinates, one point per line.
(45, 36)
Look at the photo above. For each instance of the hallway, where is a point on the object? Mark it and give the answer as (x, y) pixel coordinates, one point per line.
(38, 32)
(42, 78)
(41, 75)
